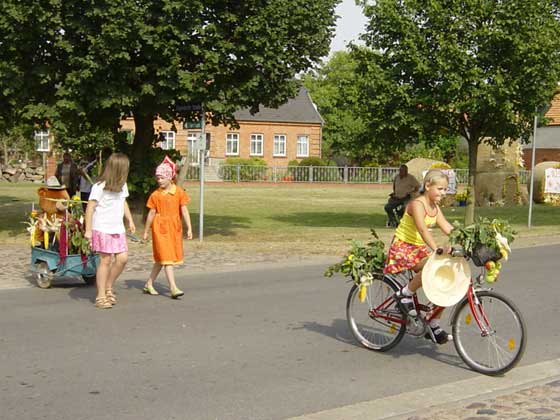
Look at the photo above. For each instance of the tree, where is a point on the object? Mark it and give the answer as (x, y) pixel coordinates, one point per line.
(143, 58)
(334, 90)
(475, 68)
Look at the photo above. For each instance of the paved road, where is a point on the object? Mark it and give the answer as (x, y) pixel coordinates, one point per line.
(259, 344)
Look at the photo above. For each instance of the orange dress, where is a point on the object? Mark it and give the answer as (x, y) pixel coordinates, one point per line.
(167, 227)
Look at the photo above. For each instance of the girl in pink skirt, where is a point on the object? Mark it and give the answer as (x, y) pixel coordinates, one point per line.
(106, 209)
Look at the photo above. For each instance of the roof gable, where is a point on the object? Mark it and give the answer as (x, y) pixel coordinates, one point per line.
(299, 109)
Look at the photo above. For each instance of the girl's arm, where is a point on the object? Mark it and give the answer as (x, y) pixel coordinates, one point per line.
(418, 213)
(89, 218)
(442, 222)
(187, 219)
(128, 217)
(149, 221)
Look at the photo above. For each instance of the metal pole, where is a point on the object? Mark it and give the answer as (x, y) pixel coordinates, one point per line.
(201, 166)
(532, 169)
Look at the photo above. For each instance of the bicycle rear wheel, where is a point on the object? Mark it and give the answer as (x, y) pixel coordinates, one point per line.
(498, 349)
(377, 324)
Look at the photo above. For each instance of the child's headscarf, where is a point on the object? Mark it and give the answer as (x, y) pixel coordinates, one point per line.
(166, 169)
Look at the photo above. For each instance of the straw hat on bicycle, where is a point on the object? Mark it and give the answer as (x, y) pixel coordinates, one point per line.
(445, 279)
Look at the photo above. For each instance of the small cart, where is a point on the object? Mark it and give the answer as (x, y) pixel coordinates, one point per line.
(46, 266)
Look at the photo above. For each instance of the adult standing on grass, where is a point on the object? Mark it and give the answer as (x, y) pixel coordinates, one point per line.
(404, 186)
(68, 174)
(168, 204)
(105, 229)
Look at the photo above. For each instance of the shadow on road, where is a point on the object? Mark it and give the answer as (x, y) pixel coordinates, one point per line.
(338, 330)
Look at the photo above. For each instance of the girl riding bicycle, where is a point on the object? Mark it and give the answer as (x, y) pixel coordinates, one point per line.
(413, 242)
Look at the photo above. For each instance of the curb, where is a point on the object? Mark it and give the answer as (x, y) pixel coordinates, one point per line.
(438, 397)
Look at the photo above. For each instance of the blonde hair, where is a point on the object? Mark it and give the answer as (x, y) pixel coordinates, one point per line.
(433, 176)
(115, 172)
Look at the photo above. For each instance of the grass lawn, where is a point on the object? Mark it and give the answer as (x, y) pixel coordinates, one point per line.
(294, 219)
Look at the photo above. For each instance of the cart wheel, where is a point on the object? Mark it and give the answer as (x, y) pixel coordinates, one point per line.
(90, 280)
(43, 275)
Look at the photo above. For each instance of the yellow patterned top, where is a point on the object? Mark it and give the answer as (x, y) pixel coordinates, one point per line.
(408, 232)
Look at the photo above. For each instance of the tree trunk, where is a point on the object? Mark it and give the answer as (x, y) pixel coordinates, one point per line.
(143, 134)
(471, 198)
(143, 140)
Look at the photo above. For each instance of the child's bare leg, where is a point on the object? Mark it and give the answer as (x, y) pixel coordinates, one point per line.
(102, 274)
(416, 282)
(170, 275)
(153, 275)
(116, 268)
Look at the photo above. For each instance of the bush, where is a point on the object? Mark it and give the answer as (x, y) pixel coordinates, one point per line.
(253, 169)
(312, 161)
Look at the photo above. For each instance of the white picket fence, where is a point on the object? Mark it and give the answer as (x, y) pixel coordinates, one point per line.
(316, 174)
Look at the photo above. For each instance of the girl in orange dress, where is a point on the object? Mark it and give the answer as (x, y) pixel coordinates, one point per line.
(168, 204)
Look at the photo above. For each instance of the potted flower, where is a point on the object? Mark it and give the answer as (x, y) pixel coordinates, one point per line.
(461, 198)
(485, 241)
(361, 263)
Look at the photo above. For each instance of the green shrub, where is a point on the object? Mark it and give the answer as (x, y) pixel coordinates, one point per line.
(253, 169)
(312, 161)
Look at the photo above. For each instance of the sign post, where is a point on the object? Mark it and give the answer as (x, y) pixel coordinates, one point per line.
(201, 151)
(188, 109)
(533, 150)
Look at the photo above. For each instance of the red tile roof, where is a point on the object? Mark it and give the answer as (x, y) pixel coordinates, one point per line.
(553, 113)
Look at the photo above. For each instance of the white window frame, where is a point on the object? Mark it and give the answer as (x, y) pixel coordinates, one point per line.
(302, 146)
(279, 147)
(168, 137)
(232, 144)
(40, 137)
(257, 141)
(192, 138)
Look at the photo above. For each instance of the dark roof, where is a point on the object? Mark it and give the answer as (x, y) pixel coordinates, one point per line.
(547, 138)
(300, 109)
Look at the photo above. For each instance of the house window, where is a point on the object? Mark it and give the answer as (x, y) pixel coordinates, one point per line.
(42, 140)
(192, 138)
(302, 146)
(232, 144)
(279, 145)
(167, 140)
(257, 141)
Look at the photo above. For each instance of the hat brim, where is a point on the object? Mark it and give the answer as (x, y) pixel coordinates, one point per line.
(445, 279)
(58, 187)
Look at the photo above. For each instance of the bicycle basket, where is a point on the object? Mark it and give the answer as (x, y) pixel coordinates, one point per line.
(481, 254)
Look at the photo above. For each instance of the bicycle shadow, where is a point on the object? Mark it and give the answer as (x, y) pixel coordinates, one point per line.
(409, 345)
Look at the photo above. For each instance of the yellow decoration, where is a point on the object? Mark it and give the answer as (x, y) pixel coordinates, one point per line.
(392, 329)
(468, 319)
(362, 293)
(32, 238)
(511, 344)
(46, 239)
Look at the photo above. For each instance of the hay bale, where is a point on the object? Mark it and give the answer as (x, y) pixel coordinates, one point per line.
(539, 180)
(417, 166)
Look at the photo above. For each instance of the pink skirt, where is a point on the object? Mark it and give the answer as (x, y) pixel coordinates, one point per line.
(108, 243)
(404, 256)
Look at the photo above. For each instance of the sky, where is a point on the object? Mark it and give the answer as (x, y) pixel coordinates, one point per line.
(349, 25)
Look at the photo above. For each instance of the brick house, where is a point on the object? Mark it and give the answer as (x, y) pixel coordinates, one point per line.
(277, 135)
(548, 138)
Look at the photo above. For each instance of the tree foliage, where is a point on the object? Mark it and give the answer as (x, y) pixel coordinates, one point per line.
(94, 62)
(475, 68)
(334, 89)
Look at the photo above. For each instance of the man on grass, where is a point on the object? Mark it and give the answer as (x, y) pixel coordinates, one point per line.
(404, 186)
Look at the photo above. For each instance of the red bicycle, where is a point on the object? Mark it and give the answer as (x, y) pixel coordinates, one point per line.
(487, 328)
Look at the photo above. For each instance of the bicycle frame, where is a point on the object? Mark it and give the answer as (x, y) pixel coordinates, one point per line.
(433, 313)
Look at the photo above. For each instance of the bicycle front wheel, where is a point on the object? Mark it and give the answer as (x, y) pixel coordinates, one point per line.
(377, 323)
(498, 343)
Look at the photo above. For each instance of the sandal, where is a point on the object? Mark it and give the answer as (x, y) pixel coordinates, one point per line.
(111, 297)
(176, 293)
(103, 303)
(149, 290)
